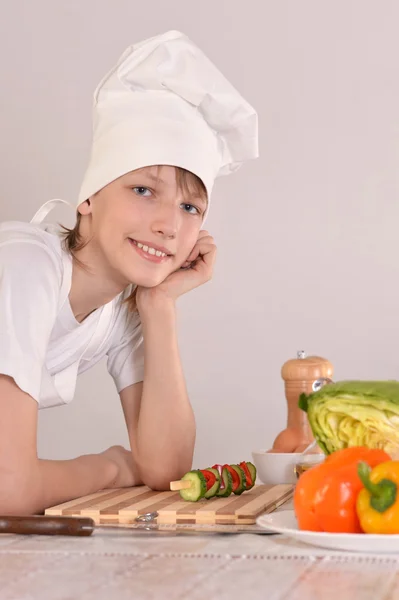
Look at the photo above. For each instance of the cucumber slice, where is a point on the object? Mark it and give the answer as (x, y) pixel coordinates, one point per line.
(252, 470)
(242, 486)
(228, 484)
(197, 489)
(215, 488)
(249, 482)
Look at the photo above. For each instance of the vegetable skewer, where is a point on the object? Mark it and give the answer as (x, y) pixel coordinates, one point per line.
(219, 481)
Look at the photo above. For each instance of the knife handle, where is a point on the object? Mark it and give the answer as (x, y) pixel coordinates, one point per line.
(47, 525)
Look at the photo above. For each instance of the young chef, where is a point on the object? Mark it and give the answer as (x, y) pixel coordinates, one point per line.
(166, 124)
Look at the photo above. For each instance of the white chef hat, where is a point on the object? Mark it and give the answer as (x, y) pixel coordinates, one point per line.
(165, 103)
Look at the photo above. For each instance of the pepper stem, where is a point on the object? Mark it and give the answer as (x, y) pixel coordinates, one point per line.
(383, 493)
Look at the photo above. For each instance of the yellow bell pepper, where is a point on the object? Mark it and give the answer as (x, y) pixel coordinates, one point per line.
(377, 504)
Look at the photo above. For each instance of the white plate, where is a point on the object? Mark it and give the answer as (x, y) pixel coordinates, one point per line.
(284, 522)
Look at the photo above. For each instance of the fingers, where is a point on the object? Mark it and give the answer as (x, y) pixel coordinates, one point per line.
(203, 241)
(196, 270)
(199, 252)
(202, 257)
(203, 266)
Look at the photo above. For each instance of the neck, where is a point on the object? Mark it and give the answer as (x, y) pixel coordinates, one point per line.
(92, 284)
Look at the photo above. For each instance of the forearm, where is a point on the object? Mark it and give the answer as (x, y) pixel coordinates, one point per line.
(51, 482)
(62, 480)
(165, 436)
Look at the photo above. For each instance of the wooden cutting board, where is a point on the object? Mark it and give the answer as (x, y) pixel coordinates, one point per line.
(124, 505)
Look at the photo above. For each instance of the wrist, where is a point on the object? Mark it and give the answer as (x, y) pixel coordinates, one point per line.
(155, 303)
(109, 471)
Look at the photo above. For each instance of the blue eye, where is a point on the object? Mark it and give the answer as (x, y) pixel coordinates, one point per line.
(142, 191)
(190, 208)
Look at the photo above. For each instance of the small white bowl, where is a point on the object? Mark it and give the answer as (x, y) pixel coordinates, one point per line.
(274, 468)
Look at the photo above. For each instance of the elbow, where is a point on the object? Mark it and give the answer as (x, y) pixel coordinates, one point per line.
(158, 484)
(160, 481)
(156, 472)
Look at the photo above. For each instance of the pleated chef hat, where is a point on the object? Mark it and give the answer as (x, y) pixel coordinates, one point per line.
(165, 103)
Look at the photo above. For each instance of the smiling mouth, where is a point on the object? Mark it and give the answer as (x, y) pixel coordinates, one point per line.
(149, 249)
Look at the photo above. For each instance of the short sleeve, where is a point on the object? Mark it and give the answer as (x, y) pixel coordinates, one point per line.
(126, 355)
(29, 290)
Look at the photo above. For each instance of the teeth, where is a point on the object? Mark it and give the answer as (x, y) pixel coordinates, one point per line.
(150, 250)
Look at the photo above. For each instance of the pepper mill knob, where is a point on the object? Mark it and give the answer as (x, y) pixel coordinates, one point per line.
(299, 375)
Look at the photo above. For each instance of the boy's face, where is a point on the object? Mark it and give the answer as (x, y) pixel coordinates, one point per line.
(141, 226)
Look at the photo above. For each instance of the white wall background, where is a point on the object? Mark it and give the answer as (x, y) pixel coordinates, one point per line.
(307, 235)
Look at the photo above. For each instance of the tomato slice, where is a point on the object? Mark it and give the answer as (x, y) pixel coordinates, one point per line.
(234, 475)
(248, 477)
(210, 478)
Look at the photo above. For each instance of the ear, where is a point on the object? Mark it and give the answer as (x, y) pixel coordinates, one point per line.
(85, 207)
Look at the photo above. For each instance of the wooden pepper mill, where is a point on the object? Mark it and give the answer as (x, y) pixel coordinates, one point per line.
(299, 376)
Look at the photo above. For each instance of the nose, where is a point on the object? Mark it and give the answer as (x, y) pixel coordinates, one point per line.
(166, 223)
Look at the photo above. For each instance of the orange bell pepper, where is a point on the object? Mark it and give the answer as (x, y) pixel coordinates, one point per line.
(325, 495)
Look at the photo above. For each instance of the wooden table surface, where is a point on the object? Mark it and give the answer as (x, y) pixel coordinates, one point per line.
(119, 566)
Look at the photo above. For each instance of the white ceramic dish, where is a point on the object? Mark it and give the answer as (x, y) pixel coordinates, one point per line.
(284, 522)
(274, 468)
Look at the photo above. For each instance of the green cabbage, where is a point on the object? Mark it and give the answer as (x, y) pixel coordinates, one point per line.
(355, 413)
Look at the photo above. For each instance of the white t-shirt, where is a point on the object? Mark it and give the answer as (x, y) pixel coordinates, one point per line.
(42, 346)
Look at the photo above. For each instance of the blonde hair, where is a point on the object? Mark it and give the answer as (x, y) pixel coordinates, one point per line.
(187, 183)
